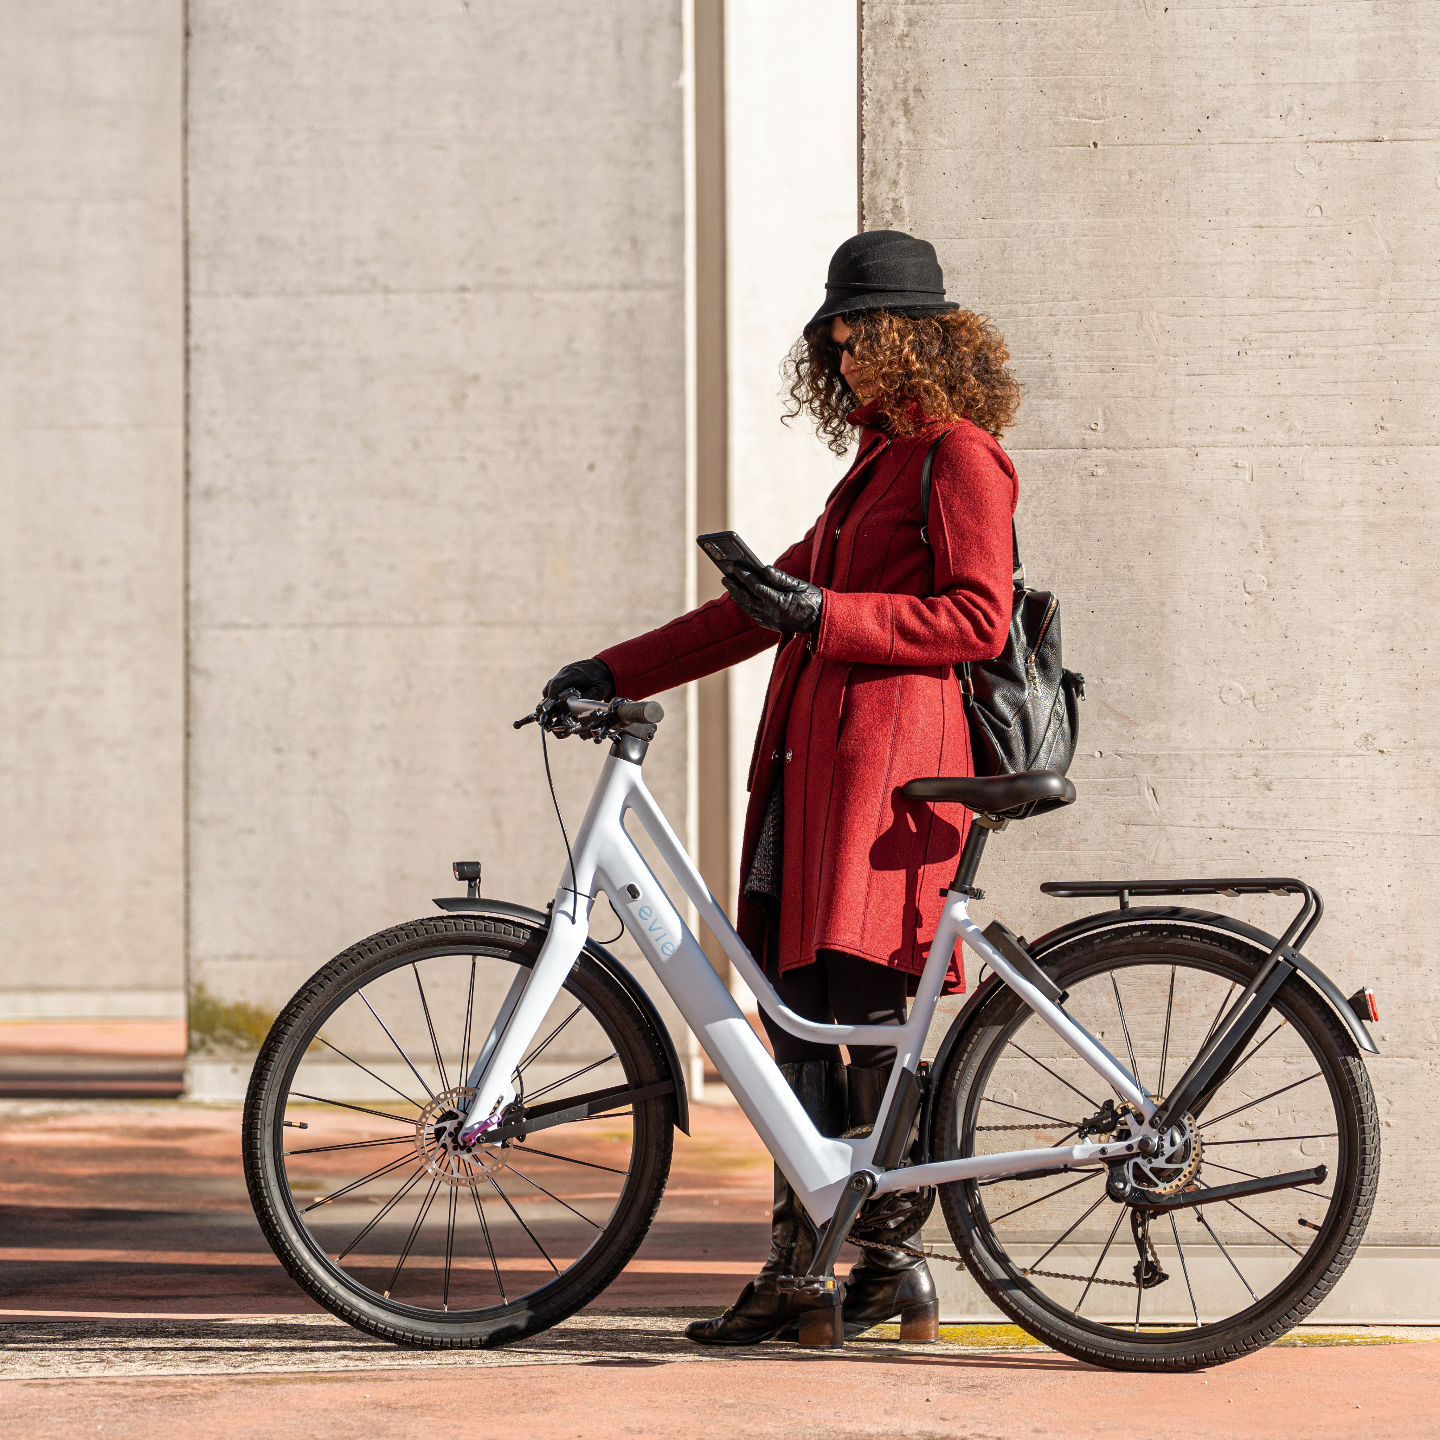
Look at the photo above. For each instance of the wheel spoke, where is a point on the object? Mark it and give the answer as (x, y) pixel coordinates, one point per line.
(1125, 1027)
(495, 1185)
(1223, 1004)
(1048, 1195)
(354, 1145)
(1199, 1215)
(1254, 1221)
(1251, 1104)
(423, 1083)
(1273, 1139)
(489, 1244)
(406, 1186)
(1038, 1114)
(362, 1109)
(575, 1075)
(1088, 1213)
(571, 1160)
(408, 1100)
(363, 1180)
(414, 1231)
(514, 1169)
(541, 1047)
(430, 1026)
(1165, 1043)
(1114, 1231)
(1251, 1054)
(1088, 1099)
(1184, 1269)
(469, 1012)
(449, 1246)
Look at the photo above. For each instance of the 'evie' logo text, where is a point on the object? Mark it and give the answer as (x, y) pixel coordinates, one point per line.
(656, 930)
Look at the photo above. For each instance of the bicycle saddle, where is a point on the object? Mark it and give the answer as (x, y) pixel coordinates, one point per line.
(993, 794)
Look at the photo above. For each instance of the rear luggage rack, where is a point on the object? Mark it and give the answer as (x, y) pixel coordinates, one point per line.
(1249, 885)
(1296, 933)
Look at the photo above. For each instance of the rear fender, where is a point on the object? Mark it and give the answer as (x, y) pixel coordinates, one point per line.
(1046, 946)
(1182, 915)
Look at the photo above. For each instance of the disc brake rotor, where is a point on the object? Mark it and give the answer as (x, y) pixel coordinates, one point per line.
(437, 1140)
(1178, 1163)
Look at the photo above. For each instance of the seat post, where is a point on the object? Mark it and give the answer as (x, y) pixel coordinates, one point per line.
(980, 826)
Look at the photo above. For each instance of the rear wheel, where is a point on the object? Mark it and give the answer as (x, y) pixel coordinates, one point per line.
(351, 1144)
(1135, 1287)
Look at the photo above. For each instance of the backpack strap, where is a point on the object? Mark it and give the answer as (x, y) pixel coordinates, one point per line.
(1019, 569)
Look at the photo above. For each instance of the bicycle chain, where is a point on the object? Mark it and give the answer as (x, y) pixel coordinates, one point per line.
(956, 1260)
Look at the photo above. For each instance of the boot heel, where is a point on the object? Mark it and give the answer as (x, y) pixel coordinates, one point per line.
(920, 1323)
(822, 1328)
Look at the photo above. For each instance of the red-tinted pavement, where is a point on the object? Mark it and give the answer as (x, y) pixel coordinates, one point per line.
(138, 1297)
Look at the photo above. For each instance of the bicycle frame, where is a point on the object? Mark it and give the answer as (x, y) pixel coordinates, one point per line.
(817, 1166)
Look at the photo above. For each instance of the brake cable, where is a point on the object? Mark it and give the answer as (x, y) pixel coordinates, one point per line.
(555, 801)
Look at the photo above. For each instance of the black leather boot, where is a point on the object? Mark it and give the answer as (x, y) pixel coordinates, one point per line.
(886, 1283)
(762, 1310)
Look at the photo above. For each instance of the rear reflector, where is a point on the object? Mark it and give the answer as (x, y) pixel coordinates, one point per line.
(1362, 1002)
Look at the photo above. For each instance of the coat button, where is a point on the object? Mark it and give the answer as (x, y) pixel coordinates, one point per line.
(774, 754)
(789, 755)
(837, 532)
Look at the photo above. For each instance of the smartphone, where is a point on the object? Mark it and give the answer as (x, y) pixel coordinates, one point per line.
(729, 552)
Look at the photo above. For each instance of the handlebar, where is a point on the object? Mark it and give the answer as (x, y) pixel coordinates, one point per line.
(571, 714)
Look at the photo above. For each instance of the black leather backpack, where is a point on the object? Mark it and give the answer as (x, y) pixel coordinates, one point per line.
(1022, 706)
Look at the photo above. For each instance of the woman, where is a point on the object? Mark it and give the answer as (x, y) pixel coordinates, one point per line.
(842, 876)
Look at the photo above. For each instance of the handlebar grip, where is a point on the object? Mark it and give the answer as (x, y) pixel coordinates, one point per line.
(580, 708)
(639, 712)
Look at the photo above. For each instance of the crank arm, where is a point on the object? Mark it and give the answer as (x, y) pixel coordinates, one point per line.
(1261, 1185)
(581, 1107)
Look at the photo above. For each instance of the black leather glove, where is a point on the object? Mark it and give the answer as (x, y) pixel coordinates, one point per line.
(592, 678)
(776, 600)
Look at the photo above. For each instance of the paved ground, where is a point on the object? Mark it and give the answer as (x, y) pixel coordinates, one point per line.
(137, 1296)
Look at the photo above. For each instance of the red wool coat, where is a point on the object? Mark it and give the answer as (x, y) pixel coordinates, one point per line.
(870, 700)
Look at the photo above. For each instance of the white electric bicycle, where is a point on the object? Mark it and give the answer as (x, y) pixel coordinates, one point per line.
(458, 1131)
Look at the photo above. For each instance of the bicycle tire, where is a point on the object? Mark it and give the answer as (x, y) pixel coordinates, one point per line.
(640, 1051)
(1275, 1312)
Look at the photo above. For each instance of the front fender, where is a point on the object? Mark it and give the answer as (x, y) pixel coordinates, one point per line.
(508, 909)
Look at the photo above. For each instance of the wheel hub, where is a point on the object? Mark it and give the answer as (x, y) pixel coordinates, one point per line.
(1177, 1162)
(437, 1140)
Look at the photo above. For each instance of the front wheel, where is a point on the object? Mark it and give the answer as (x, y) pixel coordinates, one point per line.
(1138, 1287)
(351, 1137)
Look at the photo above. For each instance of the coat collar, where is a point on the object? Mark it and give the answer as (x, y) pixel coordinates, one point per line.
(872, 416)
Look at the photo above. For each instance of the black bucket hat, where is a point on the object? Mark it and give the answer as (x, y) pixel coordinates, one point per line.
(884, 270)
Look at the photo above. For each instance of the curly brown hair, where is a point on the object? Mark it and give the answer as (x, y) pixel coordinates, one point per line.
(954, 365)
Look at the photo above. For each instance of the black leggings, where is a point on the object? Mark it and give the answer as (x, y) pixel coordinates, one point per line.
(847, 990)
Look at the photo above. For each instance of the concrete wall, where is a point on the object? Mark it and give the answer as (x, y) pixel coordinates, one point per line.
(92, 673)
(437, 356)
(1209, 236)
(790, 72)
